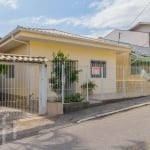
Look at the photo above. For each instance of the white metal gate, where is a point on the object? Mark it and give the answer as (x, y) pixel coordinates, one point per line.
(21, 83)
(18, 86)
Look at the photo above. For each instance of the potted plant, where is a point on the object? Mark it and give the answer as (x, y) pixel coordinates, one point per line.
(91, 86)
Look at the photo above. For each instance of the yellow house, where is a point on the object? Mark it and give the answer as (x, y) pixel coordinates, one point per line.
(96, 58)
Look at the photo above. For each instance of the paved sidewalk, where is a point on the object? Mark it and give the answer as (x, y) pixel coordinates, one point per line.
(61, 121)
(101, 109)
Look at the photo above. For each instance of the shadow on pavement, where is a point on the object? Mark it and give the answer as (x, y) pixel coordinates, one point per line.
(47, 141)
(136, 145)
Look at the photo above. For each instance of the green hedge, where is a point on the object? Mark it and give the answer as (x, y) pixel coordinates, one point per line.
(77, 97)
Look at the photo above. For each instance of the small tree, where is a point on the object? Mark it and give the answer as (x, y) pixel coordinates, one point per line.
(70, 72)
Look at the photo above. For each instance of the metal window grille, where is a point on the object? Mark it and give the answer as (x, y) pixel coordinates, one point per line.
(98, 69)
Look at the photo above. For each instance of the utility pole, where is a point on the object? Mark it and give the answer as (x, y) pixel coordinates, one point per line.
(119, 37)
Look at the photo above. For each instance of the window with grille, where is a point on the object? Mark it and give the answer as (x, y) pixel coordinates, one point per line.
(98, 69)
(139, 64)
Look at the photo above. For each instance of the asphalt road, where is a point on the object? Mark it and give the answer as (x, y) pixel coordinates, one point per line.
(123, 131)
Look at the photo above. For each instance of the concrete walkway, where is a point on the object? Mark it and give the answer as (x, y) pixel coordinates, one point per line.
(27, 129)
(102, 109)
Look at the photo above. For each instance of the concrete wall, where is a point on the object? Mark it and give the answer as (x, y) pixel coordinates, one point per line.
(54, 108)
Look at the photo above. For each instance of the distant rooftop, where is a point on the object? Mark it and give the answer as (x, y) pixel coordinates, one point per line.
(55, 32)
(138, 50)
(138, 24)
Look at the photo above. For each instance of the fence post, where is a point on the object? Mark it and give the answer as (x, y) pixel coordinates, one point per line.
(102, 90)
(142, 87)
(42, 89)
(87, 86)
(62, 84)
(28, 72)
(124, 83)
(87, 91)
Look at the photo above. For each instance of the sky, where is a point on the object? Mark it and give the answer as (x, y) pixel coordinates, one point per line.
(94, 18)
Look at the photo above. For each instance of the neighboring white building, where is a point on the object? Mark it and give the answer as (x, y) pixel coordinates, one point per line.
(141, 27)
(137, 35)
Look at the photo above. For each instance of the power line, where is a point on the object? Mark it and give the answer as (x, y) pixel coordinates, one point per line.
(139, 14)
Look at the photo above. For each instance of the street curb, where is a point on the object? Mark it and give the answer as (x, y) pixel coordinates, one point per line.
(112, 112)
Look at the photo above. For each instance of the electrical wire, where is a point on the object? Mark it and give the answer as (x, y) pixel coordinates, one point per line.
(139, 14)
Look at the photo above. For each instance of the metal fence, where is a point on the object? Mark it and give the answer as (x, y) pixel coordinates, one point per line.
(62, 80)
(71, 82)
(130, 81)
(23, 84)
(19, 86)
(133, 80)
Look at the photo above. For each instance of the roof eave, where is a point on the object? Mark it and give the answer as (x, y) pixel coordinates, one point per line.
(87, 40)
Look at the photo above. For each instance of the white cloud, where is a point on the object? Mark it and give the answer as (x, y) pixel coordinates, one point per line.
(109, 15)
(41, 20)
(100, 4)
(118, 14)
(94, 4)
(9, 3)
(68, 21)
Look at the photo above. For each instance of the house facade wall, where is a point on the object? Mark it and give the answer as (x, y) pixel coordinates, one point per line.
(19, 50)
(83, 51)
(83, 55)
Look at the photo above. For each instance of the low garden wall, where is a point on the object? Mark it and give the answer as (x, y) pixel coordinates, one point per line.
(75, 106)
(54, 108)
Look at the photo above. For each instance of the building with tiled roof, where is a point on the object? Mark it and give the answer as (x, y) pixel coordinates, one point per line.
(96, 55)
